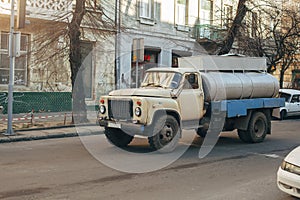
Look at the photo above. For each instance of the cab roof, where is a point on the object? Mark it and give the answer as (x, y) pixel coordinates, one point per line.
(290, 91)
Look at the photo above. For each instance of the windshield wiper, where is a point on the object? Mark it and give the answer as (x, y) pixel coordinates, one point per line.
(162, 86)
(148, 84)
(155, 85)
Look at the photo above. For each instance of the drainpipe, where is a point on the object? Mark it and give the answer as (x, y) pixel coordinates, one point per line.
(117, 43)
(222, 13)
(199, 9)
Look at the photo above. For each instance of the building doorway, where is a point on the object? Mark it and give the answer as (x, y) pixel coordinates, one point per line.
(87, 68)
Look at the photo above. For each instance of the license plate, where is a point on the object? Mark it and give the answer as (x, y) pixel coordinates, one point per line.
(114, 125)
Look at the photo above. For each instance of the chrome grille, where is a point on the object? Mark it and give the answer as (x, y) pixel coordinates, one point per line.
(120, 109)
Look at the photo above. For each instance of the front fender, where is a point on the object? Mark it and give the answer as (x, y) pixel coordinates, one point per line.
(162, 106)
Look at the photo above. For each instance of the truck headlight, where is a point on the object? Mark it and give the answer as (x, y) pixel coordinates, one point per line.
(102, 109)
(138, 111)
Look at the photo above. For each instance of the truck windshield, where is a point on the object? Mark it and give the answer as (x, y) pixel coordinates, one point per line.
(162, 79)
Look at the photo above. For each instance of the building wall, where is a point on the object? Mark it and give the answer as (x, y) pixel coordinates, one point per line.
(53, 75)
(291, 76)
(104, 77)
(163, 33)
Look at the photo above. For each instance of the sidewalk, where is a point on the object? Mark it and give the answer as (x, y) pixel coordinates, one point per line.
(50, 133)
(47, 126)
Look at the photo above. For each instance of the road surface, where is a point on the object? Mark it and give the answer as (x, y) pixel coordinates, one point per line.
(65, 169)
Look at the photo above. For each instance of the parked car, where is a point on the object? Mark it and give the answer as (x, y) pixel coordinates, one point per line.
(292, 103)
(288, 175)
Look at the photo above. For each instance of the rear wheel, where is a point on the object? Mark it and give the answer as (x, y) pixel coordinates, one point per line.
(167, 133)
(257, 129)
(244, 136)
(117, 137)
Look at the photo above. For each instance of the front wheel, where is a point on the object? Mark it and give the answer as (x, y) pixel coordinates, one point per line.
(167, 133)
(117, 137)
(201, 132)
(283, 115)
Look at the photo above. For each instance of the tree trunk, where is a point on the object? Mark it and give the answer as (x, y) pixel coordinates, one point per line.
(281, 78)
(79, 106)
(233, 30)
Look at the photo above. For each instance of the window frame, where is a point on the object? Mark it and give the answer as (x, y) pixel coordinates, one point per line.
(149, 12)
(295, 98)
(227, 15)
(179, 20)
(23, 58)
(204, 12)
(187, 85)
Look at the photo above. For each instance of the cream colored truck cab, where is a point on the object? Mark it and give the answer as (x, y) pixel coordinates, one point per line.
(169, 100)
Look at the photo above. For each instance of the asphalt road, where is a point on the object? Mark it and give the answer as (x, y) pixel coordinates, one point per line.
(76, 168)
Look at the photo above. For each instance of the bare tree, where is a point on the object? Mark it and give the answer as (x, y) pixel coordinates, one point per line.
(66, 31)
(277, 37)
(265, 29)
(234, 28)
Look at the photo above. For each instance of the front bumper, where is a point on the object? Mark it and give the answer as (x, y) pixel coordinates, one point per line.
(288, 182)
(128, 127)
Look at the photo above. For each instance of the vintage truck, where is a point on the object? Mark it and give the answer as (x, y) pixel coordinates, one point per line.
(197, 95)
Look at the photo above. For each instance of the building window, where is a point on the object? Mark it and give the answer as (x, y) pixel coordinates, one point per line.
(147, 9)
(181, 12)
(296, 79)
(227, 15)
(174, 61)
(206, 12)
(20, 62)
(150, 61)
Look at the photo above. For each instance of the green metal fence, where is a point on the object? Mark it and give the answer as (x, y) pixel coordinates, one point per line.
(25, 102)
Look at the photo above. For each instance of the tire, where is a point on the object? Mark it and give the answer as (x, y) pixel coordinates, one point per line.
(244, 136)
(283, 115)
(167, 133)
(117, 137)
(257, 129)
(201, 132)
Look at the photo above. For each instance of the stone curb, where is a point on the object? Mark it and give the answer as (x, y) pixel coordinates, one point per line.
(20, 138)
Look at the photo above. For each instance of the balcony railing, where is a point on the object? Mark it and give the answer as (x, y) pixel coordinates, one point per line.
(206, 31)
(43, 9)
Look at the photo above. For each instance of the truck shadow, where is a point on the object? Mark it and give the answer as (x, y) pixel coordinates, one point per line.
(292, 117)
(140, 145)
(287, 118)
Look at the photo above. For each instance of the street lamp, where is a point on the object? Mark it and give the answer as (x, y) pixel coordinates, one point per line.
(14, 50)
(11, 49)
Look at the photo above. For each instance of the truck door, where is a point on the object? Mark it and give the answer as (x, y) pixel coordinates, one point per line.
(191, 100)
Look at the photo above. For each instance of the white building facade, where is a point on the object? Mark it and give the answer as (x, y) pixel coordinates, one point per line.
(165, 30)
(168, 29)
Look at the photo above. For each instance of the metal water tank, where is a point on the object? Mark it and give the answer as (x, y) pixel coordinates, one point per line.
(238, 85)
